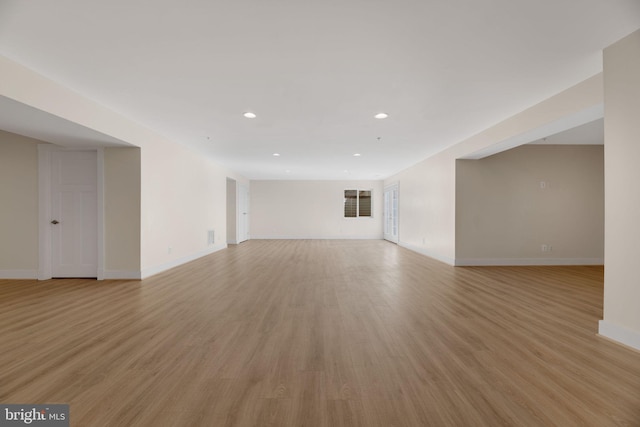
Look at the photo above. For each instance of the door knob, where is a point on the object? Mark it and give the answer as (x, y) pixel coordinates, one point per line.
(55, 221)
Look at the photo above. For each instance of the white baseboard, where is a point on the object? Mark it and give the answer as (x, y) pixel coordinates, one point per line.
(281, 237)
(147, 272)
(18, 274)
(620, 334)
(425, 252)
(122, 275)
(469, 262)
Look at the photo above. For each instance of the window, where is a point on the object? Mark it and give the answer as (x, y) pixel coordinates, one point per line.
(357, 203)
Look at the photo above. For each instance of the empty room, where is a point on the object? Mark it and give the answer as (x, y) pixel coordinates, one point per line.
(412, 213)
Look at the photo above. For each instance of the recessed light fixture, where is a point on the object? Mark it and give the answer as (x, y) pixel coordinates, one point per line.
(276, 154)
(357, 155)
(381, 116)
(249, 115)
(287, 171)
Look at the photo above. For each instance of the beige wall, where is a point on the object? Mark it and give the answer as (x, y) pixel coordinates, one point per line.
(122, 212)
(426, 211)
(622, 197)
(311, 209)
(232, 209)
(19, 213)
(504, 215)
(18, 206)
(183, 194)
(427, 190)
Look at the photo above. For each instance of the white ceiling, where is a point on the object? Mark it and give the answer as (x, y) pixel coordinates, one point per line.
(24, 120)
(591, 133)
(315, 72)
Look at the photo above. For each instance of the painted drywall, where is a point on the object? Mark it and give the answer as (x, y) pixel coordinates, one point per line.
(184, 196)
(183, 193)
(622, 198)
(232, 209)
(510, 204)
(122, 212)
(19, 215)
(311, 210)
(427, 190)
(19, 206)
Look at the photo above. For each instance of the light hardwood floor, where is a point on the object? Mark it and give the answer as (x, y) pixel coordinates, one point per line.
(320, 333)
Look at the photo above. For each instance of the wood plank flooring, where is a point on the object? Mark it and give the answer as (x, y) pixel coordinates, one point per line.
(320, 333)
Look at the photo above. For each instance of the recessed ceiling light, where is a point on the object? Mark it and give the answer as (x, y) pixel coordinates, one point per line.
(249, 115)
(357, 155)
(287, 171)
(381, 116)
(276, 154)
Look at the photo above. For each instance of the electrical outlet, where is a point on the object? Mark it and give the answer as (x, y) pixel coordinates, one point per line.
(169, 249)
(550, 248)
(544, 248)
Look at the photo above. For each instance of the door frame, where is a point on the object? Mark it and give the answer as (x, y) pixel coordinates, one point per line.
(44, 208)
(395, 186)
(243, 217)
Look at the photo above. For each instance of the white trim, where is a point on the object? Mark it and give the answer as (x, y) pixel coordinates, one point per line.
(469, 262)
(281, 237)
(581, 117)
(44, 207)
(391, 187)
(18, 274)
(358, 217)
(619, 334)
(147, 272)
(239, 215)
(44, 211)
(100, 195)
(425, 252)
(121, 275)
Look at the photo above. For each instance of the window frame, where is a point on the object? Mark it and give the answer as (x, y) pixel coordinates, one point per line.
(357, 208)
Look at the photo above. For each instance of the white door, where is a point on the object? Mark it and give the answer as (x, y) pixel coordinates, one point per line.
(391, 213)
(74, 214)
(243, 213)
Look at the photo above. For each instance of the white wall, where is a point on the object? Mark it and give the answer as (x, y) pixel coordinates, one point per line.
(622, 197)
(232, 211)
(504, 215)
(311, 210)
(427, 190)
(183, 195)
(18, 206)
(19, 257)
